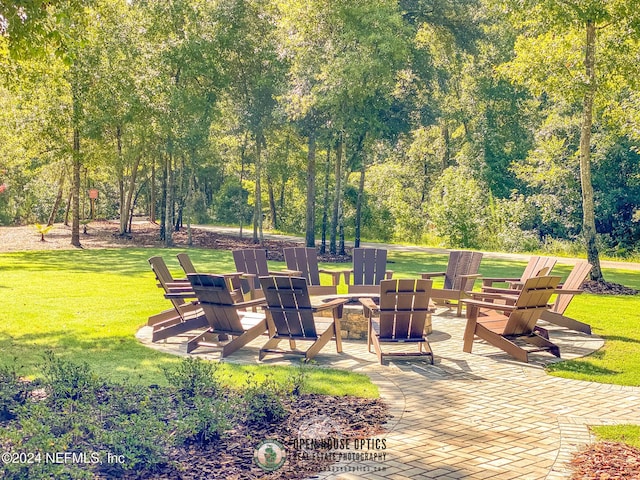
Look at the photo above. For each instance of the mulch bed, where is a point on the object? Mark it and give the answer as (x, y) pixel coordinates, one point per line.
(607, 288)
(607, 461)
(231, 458)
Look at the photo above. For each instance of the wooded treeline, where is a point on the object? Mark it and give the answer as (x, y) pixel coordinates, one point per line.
(494, 124)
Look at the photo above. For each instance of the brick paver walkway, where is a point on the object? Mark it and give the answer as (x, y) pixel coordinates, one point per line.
(473, 416)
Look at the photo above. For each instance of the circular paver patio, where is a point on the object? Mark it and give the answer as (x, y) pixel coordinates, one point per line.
(474, 416)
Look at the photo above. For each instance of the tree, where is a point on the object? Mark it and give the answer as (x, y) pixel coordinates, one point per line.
(547, 60)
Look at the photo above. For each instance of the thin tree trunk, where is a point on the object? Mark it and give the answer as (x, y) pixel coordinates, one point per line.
(257, 204)
(588, 210)
(152, 192)
(241, 199)
(168, 216)
(359, 205)
(272, 204)
(56, 204)
(310, 237)
(75, 219)
(124, 226)
(67, 210)
(336, 199)
(325, 203)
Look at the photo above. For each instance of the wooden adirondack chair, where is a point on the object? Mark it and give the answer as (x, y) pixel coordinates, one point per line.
(252, 262)
(233, 279)
(490, 322)
(225, 317)
(567, 290)
(369, 269)
(184, 316)
(305, 260)
(537, 266)
(290, 316)
(461, 274)
(400, 317)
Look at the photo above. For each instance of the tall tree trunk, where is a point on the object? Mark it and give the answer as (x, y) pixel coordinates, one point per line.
(445, 155)
(336, 199)
(588, 210)
(272, 204)
(77, 164)
(359, 204)
(241, 202)
(56, 204)
(152, 192)
(325, 203)
(310, 237)
(168, 215)
(75, 188)
(125, 226)
(67, 210)
(257, 204)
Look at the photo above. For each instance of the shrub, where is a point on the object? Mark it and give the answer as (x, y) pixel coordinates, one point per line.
(203, 420)
(13, 392)
(65, 380)
(194, 377)
(262, 401)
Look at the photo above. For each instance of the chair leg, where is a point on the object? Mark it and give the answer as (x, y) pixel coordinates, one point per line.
(240, 341)
(270, 345)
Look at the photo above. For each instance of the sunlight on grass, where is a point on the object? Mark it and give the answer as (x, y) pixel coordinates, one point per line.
(86, 306)
(629, 434)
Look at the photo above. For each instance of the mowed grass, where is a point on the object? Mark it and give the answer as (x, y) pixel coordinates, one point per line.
(629, 434)
(86, 306)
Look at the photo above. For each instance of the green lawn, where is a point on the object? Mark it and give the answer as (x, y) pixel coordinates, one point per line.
(87, 304)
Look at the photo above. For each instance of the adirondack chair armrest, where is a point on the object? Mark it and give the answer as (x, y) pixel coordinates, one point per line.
(487, 282)
(498, 290)
(563, 291)
(347, 275)
(369, 306)
(335, 275)
(177, 294)
(336, 302)
(432, 274)
(178, 284)
(493, 306)
(470, 275)
(287, 273)
(250, 303)
(494, 295)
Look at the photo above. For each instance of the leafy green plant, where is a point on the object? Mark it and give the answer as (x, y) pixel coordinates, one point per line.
(203, 420)
(193, 377)
(65, 380)
(43, 230)
(13, 392)
(262, 401)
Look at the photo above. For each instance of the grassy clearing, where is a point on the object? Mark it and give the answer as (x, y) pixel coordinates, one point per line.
(86, 305)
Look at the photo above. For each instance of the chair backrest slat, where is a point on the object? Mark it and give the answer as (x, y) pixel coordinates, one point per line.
(403, 308)
(305, 260)
(369, 266)
(164, 277)
(532, 301)
(217, 303)
(289, 306)
(574, 281)
(186, 263)
(461, 263)
(536, 265)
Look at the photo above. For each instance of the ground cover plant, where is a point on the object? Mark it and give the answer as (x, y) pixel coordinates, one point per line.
(71, 423)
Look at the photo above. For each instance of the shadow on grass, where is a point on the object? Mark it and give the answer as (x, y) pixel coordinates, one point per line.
(583, 367)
